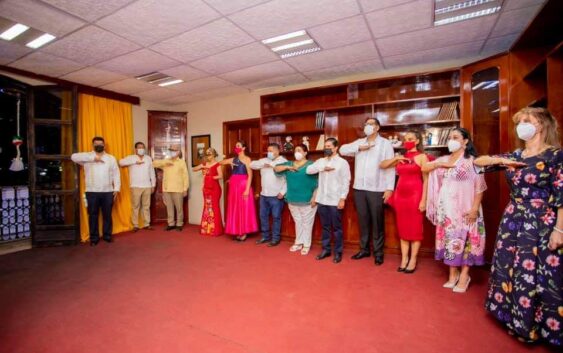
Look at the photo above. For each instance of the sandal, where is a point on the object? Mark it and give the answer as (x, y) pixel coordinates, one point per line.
(305, 251)
(296, 247)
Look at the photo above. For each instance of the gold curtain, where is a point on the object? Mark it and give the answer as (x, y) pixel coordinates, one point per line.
(113, 121)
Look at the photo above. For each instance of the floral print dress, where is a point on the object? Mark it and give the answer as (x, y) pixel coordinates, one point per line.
(526, 283)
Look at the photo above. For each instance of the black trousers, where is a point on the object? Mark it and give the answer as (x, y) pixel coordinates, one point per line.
(369, 206)
(331, 220)
(97, 201)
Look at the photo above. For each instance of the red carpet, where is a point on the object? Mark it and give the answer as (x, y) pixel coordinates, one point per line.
(181, 292)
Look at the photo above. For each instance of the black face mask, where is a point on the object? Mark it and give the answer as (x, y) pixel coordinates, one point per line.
(328, 152)
(99, 148)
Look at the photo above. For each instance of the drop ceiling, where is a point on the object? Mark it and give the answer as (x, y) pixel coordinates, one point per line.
(215, 46)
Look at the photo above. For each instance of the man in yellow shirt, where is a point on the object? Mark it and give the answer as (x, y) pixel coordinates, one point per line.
(175, 183)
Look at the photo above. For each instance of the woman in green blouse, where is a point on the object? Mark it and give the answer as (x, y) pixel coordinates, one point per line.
(300, 196)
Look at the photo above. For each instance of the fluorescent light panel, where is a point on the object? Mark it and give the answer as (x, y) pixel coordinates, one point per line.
(169, 83)
(13, 31)
(40, 41)
(284, 37)
(461, 5)
(451, 11)
(292, 44)
(300, 52)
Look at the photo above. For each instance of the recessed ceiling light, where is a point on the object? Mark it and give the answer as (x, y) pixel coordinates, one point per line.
(300, 52)
(448, 11)
(284, 37)
(461, 5)
(292, 44)
(13, 31)
(40, 41)
(169, 83)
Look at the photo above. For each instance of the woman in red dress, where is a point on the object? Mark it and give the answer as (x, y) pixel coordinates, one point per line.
(409, 198)
(211, 221)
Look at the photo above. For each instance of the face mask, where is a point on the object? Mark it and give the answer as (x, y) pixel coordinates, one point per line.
(141, 152)
(99, 148)
(368, 130)
(271, 156)
(328, 152)
(298, 156)
(409, 145)
(526, 131)
(238, 150)
(172, 154)
(453, 145)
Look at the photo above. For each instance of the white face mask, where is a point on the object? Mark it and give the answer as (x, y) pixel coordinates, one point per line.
(298, 156)
(526, 131)
(453, 145)
(141, 152)
(368, 130)
(271, 156)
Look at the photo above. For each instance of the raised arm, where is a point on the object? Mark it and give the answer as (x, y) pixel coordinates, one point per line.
(314, 168)
(258, 164)
(350, 149)
(228, 161)
(82, 158)
(127, 161)
(484, 161)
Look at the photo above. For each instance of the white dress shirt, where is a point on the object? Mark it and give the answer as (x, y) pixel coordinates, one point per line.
(100, 177)
(272, 185)
(367, 174)
(333, 185)
(140, 175)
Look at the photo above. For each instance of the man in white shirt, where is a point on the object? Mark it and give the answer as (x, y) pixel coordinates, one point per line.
(372, 186)
(103, 182)
(273, 191)
(334, 184)
(142, 181)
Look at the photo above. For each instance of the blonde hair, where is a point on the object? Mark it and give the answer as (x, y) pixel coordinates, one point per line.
(549, 124)
(212, 150)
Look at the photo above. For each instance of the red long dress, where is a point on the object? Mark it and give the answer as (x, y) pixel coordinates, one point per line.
(406, 198)
(211, 221)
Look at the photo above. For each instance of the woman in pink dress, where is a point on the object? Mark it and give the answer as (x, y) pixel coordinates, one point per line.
(211, 222)
(409, 199)
(241, 211)
(455, 191)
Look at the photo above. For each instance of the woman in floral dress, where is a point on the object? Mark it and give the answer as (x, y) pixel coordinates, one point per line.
(525, 288)
(455, 191)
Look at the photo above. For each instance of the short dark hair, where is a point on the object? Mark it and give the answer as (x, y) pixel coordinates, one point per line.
(98, 138)
(333, 141)
(275, 145)
(374, 119)
(303, 147)
(139, 143)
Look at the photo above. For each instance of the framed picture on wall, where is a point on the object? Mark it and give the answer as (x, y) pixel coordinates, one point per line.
(200, 144)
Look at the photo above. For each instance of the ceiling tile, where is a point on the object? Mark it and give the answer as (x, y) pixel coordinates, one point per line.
(230, 6)
(204, 84)
(333, 57)
(292, 79)
(158, 94)
(400, 19)
(39, 16)
(46, 64)
(222, 92)
(11, 51)
(437, 37)
(372, 5)
(339, 33)
(283, 16)
(364, 67)
(91, 45)
(206, 40)
(434, 55)
(514, 21)
(92, 76)
(89, 10)
(138, 63)
(517, 4)
(129, 86)
(149, 21)
(185, 72)
(498, 44)
(183, 99)
(234, 59)
(258, 73)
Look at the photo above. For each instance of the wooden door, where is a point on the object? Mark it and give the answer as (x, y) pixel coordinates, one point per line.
(485, 113)
(165, 129)
(249, 131)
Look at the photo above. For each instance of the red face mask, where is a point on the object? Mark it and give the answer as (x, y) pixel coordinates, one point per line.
(409, 145)
(238, 150)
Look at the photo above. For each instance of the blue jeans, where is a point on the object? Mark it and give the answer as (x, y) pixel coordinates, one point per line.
(331, 221)
(270, 205)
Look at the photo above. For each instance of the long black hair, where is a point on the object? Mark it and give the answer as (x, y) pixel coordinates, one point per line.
(470, 149)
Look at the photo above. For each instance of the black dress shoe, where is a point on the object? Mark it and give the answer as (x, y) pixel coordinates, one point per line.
(94, 242)
(274, 243)
(337, 258)
(360, 255)
(401, 269)
(379, 260)
(148, 228)
(262, 241)
(169, 228)
(108, 240)
(323, 255)
(135, 229)
(410, 271)
(179, 229)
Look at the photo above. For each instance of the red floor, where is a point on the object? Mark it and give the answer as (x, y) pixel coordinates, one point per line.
(181, 292)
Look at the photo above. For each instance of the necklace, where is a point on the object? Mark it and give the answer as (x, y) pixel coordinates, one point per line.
(526, 152)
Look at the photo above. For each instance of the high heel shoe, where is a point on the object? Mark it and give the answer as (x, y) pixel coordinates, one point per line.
(451, 285)
(462, 290)
(401, 269)
(407, 271)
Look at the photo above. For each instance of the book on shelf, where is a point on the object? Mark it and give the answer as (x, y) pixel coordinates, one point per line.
(448, 111)
(321, 143)
(320, 120)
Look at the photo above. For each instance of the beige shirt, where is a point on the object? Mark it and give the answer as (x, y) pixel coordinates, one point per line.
(175, 178)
